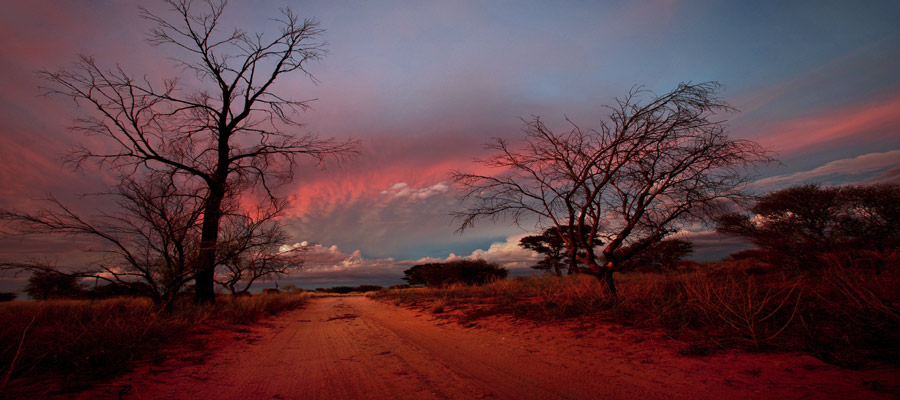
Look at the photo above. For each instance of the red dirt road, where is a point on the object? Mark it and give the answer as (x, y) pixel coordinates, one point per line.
(358, 348)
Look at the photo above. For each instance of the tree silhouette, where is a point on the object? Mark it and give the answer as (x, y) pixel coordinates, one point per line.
(798, 224)
(653, 167)
(225, 132)
(150, 245)
(552, 245)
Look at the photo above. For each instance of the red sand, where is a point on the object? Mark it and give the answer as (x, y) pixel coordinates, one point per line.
(358, 348)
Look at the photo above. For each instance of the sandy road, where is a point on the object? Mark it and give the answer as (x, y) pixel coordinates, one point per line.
(358, 348)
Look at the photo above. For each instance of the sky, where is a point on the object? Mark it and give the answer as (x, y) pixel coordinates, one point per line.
(425, 84)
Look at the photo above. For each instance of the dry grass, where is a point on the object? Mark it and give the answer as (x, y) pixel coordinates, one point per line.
(79, 342)
(845, 314)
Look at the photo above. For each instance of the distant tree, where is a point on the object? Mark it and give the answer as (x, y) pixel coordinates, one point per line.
(470, 272)
(7, 296)
(653, 168)
(45, 285)
(661, 256)
(221, 129)
(798, 224)
(551, 245)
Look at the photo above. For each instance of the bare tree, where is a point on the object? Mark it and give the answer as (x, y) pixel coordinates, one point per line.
(253, 249)
(150, 245)
(652, 168)
(228, 132)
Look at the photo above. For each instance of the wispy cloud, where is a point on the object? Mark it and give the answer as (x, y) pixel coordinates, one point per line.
(860, 169)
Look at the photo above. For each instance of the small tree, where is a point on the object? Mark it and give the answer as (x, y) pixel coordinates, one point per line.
(653, 168)
(798, 224)
(470, 272)
(45, 285)
(550, 244)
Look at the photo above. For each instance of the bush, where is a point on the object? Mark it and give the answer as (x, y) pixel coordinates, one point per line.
(7, 296)
(469, 272)
(796, 226)
(45, 285)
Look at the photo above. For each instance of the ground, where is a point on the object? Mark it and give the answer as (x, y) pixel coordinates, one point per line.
(359, 348)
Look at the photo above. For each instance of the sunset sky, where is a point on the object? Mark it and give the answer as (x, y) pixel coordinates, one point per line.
(424, 85)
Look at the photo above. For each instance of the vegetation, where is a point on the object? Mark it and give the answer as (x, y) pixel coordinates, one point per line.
(81, 341)
(659, 163)
(795, 226)
(660, 256)
(44, 285)
(467, 272)
(350, 289)
(550, 244)
(846, 313)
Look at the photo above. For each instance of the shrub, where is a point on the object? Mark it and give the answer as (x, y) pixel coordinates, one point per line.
(470, 272)
(44, 285)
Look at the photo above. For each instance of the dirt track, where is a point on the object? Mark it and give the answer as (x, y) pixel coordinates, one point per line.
(358, 348)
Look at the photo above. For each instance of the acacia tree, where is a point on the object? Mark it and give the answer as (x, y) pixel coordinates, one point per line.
(550, 244)
(228, 131)
(647, 171)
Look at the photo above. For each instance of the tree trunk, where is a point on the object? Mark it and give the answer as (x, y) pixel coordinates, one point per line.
(204, 283)
(610, 282)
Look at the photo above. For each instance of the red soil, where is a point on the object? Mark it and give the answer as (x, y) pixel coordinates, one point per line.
(358, 348)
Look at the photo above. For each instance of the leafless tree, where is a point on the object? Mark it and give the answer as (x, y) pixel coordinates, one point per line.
(252, 249)
(227, 130)
(150, 244)
(651, 168)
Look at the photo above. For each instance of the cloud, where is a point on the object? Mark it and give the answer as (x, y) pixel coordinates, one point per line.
(402, 190)
(330, 264)
(848, 170)
(869, 121)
